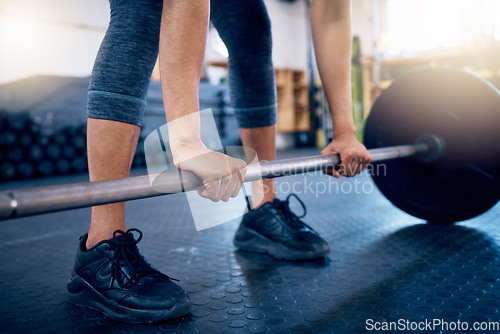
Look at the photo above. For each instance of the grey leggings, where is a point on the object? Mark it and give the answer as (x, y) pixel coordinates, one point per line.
(122, 69)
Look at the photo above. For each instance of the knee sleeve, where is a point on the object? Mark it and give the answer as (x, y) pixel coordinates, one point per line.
(123, 66)
(245, 28)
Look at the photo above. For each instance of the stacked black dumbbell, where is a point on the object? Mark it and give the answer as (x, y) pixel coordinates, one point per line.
(139, 157)
(65, 152)
(26, 152)
(17, 132)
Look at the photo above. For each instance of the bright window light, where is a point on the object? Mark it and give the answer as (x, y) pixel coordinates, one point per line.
(14, 31)
(496, 19)
(420, 25)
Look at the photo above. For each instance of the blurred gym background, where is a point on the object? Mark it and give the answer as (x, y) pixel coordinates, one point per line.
(48, 48)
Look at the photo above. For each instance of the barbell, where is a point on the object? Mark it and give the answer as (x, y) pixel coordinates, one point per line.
(464, 111)
(424, 157)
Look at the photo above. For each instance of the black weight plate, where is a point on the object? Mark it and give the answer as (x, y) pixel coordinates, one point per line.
(465, 111)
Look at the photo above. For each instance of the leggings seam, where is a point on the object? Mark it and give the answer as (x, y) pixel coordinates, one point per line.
(116, 95)
(274, 105)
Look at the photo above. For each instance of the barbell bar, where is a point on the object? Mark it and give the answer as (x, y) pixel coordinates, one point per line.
(454, 173)
(28, 202)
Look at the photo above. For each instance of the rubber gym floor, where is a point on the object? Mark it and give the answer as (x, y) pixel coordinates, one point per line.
(384, 266)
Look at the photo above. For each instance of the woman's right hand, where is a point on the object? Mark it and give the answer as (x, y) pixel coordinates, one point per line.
(222, 175)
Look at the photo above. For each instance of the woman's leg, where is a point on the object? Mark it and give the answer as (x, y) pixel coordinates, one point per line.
(109, 273)
(273, 229)
(116, 103)
(245, 28)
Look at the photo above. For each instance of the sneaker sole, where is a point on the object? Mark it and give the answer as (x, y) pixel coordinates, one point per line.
(257, 243)
(88, 297)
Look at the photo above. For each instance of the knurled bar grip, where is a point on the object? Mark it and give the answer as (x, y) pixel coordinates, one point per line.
(21, 203)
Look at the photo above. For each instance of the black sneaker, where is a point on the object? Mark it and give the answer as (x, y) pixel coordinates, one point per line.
(114, 278)
(275, 230)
